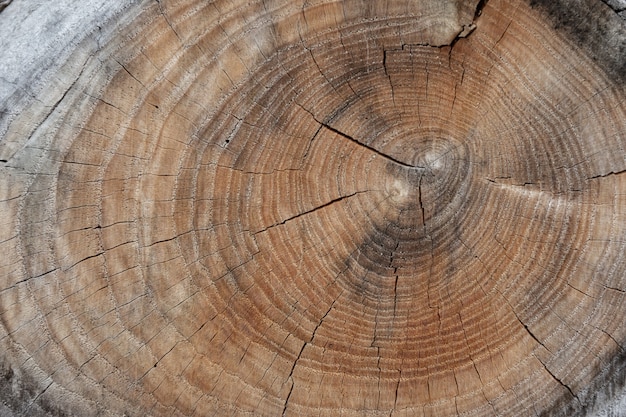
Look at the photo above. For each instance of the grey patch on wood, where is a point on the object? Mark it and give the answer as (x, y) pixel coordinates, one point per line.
(19, 394)
(599, 31)
(604, 397)
(606, 394)
(37, 38)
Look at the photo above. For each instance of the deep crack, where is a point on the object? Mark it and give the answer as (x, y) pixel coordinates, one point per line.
(358, 142)
(479, 8)
(376, 151)
(616, 5)
(419, 196)
(561, 382)
(304, 213)
(542, 363)
(4, 3)
(608, 174)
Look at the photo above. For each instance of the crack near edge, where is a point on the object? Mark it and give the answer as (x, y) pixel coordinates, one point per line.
(304, 345)
(540, 361)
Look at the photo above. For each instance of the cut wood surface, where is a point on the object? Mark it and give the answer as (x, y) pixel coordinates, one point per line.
(313, 208)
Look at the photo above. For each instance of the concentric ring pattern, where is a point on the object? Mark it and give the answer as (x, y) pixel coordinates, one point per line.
(322, 208)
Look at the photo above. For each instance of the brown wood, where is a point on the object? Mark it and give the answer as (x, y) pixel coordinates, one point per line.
(357, 208)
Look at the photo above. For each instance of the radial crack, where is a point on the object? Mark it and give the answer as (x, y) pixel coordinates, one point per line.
(466, 30)
(82, 260)
(561, 382)
(370, 148)
(380, 371)
(538, 341)
(56, 104)
(532, 334)
(131, 74)
(614, 289)
(333, 201)
(395, 400)
(4, 3)
(304, 345)
(34, 400)
(393, 95)
(616, 5)
(479, 8)
(291, 377)
(419, 197)
(167, 20)
(608, 174)
(358, 142)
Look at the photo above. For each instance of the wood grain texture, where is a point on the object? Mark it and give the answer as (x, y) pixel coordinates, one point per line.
(317, 208)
